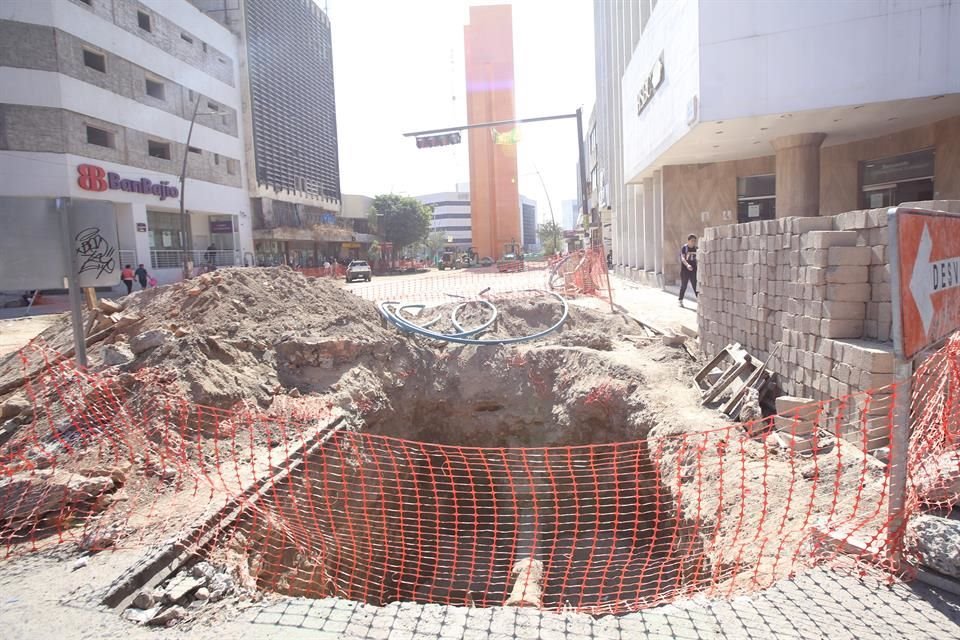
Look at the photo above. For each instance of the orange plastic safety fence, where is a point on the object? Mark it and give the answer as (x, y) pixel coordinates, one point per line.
(315, 506)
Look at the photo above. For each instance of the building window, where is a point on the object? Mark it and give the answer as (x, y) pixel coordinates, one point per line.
(194, 150)
(89, 3)
(100, 137)
(756, 198)
(213, 106)
(94, 60)
(216, 158)
(204, 47)
(158, 149)
(143, 20)
(186, 38)
(155, 89)
(232, 166)
(888, 182)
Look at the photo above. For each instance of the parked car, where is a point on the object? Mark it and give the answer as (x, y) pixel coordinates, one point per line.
(359, 270)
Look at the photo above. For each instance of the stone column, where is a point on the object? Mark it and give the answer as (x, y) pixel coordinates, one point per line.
(798, 174)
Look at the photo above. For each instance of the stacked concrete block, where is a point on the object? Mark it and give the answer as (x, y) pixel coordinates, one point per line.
(796, 423)
(804, 292)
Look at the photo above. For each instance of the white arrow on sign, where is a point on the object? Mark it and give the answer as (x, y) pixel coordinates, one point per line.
(930, 278)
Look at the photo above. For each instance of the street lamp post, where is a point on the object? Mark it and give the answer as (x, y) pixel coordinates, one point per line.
(184, 221)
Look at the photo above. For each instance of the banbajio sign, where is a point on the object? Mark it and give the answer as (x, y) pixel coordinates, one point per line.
(90, 177)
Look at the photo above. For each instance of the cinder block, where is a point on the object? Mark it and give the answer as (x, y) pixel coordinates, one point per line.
(816, 257)
(878, 254)
(834, 309)
(813, 275)
(791, 425)
(816, 223)
(848, 292)
(827, 239)
(788, 405)
(840, 328)
(879, 273)
(796, 444)
(849, 256)
(847, 275)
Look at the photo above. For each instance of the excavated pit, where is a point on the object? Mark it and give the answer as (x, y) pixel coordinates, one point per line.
(467, 462)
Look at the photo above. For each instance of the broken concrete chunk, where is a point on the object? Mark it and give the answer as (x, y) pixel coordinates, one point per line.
(117, 355)
(938, 479)
(149, 340)
(16, 405)
(27, 497)
(144, 600)
(202, 593)
(673, 340)
(181, 586)
(936, 541)
(167, 617)
(203, 570)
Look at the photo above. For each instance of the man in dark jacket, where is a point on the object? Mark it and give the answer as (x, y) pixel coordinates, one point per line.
(688, 266)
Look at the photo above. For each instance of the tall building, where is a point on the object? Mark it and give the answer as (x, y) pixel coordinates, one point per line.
(528, 216)
(713, 112)
(488, 47)
(293, 164)
(569, 214)
(96, 101)
(453, 216)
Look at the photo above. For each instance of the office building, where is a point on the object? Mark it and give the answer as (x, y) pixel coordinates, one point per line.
(293, 163)
(488, 46)
(96, 102)
(453, 216)
(713, 112)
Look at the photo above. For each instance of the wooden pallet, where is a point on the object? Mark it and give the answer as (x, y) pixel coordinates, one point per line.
(737, 369)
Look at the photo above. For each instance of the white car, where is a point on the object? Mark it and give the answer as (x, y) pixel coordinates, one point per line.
(359, 270)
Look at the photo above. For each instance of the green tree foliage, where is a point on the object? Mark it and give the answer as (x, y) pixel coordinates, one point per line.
(400, 220)
(435, 243)
(551, 237)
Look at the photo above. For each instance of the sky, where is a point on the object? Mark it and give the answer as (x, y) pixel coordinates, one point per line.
(398, 67)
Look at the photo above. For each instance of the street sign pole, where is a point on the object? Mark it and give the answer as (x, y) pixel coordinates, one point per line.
(924, 249)
(76, 315)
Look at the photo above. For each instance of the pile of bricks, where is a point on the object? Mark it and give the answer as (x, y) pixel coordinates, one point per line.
(818, 285)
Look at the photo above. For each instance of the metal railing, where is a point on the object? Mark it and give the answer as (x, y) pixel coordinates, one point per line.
(173, 258)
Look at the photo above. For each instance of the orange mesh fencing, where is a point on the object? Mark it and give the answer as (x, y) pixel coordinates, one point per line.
(313, 505)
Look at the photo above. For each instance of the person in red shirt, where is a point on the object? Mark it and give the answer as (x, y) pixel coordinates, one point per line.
(127, 276)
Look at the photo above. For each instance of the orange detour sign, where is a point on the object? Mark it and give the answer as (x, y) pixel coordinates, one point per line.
(925, 269)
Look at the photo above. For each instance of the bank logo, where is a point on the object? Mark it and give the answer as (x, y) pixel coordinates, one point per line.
(92, 177)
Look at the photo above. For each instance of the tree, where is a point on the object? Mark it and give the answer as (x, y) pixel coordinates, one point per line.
(551, 236)
(435, 242)
(373, 251)
(401, 220)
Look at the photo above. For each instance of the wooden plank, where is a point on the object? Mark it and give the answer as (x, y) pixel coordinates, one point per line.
(90, 296)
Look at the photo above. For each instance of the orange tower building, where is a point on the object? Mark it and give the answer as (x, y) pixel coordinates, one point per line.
(494, 192)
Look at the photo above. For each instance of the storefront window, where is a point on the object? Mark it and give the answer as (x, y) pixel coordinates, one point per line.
(888, 182)
(756, 198)
(165, 232)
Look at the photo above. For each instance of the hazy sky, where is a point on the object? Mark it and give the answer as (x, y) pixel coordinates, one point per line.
(398, 67)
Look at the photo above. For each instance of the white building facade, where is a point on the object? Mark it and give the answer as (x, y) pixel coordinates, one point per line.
(96, 98)
(717, 111)
(451, 216)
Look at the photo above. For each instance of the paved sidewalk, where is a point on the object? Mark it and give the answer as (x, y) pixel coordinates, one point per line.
(657, 306)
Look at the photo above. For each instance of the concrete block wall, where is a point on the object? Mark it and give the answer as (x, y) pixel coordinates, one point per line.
(819, 287)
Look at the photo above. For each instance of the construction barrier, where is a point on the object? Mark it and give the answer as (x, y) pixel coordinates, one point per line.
(310, 504)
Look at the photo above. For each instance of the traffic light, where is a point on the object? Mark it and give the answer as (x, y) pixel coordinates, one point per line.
(442, 140)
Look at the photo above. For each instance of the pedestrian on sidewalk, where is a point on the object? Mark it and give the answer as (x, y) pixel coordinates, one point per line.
(127, 277)
(142, 276)
(688, 266)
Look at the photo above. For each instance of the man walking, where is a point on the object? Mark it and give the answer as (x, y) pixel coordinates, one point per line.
(142, 276)
(688, 266)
